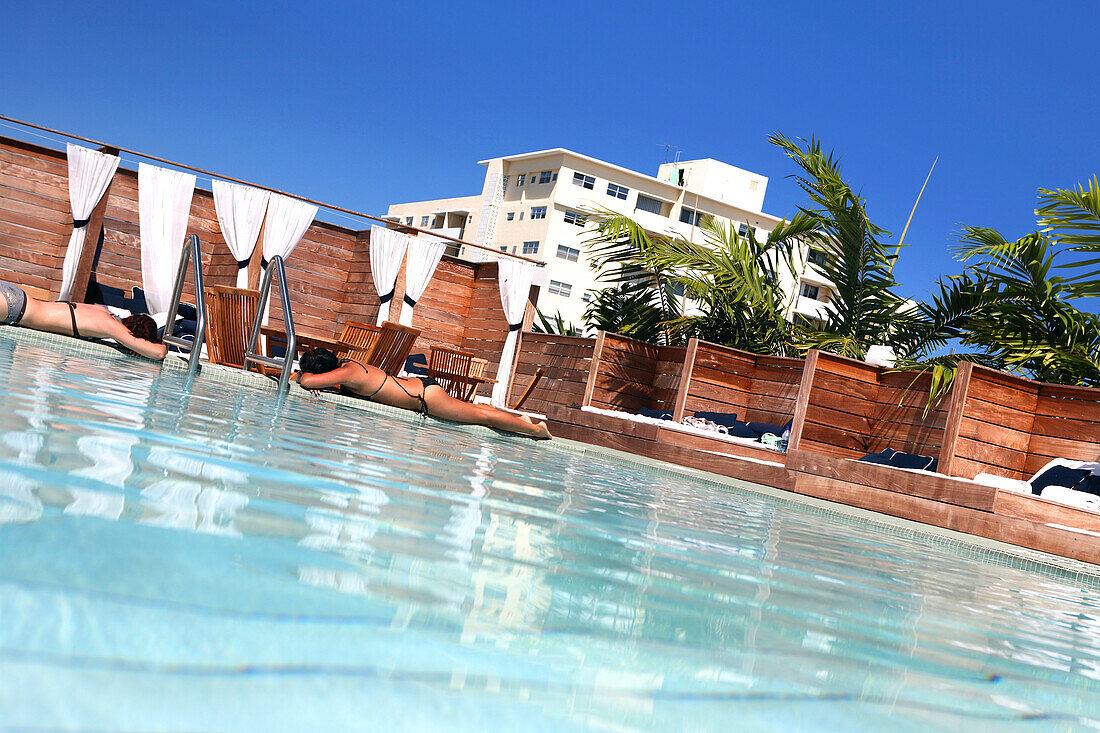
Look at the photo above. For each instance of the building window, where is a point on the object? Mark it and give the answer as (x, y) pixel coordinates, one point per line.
(504, 248)
(530, 248)
(742, 230)
(409, 220)
(538, 212)
(579, 179)
(544, 177)
(575, 217)
(520, 179)
(423, 221)
(560, 288)
(691, 216)
(587, 297)
(554, 177)
(810, 291)
(521, 216)
(817, 256)
(753, 185)
(568, 253)
(646, 203)
(511, 215)
(617, 191)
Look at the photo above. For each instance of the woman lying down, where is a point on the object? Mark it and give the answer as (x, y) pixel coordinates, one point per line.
(321, 369)
(138, 333)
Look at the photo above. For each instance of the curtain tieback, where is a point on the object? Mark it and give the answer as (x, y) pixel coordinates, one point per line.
(515, 326)
(385, 298)
(241, 264)
(411, 303)
(80, 223)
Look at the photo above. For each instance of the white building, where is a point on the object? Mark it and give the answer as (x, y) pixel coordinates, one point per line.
(534, 204)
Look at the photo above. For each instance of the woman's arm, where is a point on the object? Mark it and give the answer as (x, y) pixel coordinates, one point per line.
(343, 375)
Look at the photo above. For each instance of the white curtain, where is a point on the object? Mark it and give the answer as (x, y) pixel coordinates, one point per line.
(514, 277)
(287, 222)
(164, 204)
(424, 255)
(90, 172)
(240, 214)
(387, 249)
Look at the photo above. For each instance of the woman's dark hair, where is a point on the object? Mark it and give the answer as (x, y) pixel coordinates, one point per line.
(142, 326)
(318, 361)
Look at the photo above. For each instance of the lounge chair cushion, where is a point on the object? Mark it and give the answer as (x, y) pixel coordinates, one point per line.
(882, 457)
(762, 427)
(659, 414)
(729, 419)
(1089, 484)
(1058, 476)
(911, 460)
(417, 365)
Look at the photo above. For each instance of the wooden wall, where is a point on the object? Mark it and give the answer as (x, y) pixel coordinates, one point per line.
(628, 374)
(565, 362)
(35, 218)
(720, 379)
(329, 270)
(1012, 426)
(849, 408)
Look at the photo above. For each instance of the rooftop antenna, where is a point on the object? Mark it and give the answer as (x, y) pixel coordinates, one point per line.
(669, 147)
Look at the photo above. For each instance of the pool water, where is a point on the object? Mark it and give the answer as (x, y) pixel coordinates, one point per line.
(203, 556)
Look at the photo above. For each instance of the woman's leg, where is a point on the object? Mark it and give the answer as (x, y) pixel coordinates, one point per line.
(442, 405)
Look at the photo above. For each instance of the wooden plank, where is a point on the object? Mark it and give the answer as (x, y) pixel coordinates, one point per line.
(802, 402)
(962, 519)
(1037, 509)
(597, 357)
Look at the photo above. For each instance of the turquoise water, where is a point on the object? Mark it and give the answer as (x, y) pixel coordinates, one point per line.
(203, 558)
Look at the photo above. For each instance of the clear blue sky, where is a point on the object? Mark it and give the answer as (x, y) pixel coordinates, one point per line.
(365, 104)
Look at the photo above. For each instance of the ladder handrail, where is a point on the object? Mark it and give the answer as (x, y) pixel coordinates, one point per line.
(274, 266)
(191, 250)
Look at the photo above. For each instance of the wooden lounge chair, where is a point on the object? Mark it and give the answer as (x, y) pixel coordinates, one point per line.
(392, 347)
(454, 371)
(361, 337)
(229, 316)
(530, 389)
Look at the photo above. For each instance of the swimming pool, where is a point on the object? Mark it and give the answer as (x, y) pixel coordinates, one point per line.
(204, 556)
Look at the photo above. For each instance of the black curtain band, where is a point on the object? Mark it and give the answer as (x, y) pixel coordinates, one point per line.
(410, 301)
(515, 326)
(263, 262)
(80, 223)
(241, 264)
(383, 299)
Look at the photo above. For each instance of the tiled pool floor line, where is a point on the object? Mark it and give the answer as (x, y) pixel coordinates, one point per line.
(969, 545)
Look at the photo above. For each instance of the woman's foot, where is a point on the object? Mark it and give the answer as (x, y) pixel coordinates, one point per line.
(541, 431)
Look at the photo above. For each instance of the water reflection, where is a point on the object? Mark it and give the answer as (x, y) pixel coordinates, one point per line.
(583, 584)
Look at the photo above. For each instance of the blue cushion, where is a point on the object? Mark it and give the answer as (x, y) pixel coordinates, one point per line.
(1058, 476)
(742, 430)
(721, 418)
(188, 312)
(762, 427)
(911, 460)
(417, 364)
(1089, 484)
(882, 458)
(659, 414)
(136, 304)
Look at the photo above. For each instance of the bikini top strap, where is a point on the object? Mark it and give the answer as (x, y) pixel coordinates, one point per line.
(367, 371)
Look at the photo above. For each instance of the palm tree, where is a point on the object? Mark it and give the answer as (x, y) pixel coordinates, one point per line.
(863, 308)
(732, 283)
(1071, 217)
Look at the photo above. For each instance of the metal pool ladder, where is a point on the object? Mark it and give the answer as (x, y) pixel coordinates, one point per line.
(274, 266)
(190, 251)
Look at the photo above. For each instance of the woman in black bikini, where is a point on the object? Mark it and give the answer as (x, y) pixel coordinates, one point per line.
(138, 333)
(321, 369)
